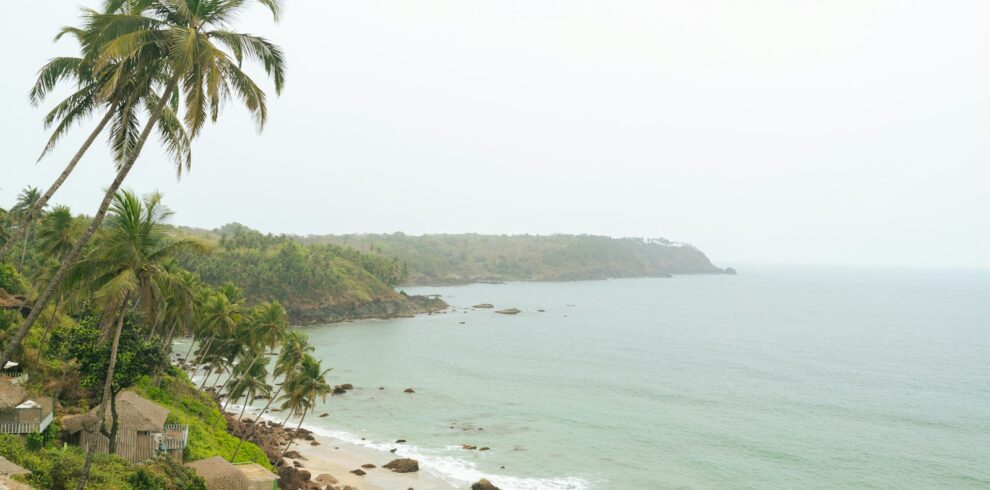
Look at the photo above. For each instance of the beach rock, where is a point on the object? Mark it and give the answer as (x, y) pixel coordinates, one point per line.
(403, 465)
(483, 484)
(392, 450)
(339, 390)
(359, 472)
(409, 390)
(293, 455)
(542, 311)
(294, 479)
(510, 311)
(297, 464)
(469, 446)
(368, 466)
(484, 305)
(347, 386)
(486, 448)
(381, 387)
(400, 441)
(326, 479)
(324, 414)
(314, 443)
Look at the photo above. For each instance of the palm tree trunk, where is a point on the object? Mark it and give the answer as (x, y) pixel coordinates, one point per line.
(247, 401)
(38, 206)
(107, 394)
(238, 385)
(24, 249)
(292, 439)
(206, 350)
(255, 423)
(189, 352)
(59, 276)
(44, 335)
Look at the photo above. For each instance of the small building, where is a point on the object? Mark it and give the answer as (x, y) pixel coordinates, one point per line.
(141, 430)
(258, 477)
(20, 414)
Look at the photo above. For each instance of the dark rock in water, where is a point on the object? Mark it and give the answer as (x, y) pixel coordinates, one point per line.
(359, 472)
(409, 390)
(483, 484)
(484, 305)
(469, 446)
(486, 448)
(368, 466)
(730, 271)
(403, 465)
(462, 323)
(339, 390)
(347, 386)
(381, 387)
(324, 414)
(510, 311)
(314, 443)
(400, 441)
(393, 450)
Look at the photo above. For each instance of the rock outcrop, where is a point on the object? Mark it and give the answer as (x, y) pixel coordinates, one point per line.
(483, 484)
(403, 465)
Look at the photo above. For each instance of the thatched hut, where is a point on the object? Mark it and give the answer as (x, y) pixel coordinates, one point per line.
(219, 474)
(141, 428)
(258, 477)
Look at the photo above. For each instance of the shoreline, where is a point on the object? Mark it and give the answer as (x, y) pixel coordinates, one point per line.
(338, 458)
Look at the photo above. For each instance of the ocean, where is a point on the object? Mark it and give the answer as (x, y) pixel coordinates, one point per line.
(779, 377)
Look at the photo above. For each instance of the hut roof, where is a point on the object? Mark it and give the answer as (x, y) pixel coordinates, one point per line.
(255, 472)
(219, 474)
(10, 469)
(11, 395)
(133, 413)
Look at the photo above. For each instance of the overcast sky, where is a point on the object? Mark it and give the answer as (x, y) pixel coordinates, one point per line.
(841, 132)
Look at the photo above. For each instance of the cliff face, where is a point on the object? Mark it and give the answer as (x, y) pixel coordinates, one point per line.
(403, 306)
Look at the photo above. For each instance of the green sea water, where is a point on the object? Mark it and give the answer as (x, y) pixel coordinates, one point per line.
(775, 378)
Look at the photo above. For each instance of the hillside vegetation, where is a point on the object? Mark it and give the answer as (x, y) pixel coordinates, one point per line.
(464, 258)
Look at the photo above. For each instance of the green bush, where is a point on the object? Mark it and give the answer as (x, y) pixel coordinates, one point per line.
(11, 281)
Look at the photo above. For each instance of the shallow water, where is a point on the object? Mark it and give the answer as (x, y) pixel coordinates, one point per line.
(776, 378)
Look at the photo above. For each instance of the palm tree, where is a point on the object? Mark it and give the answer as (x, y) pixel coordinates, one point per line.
(110, 89)
(303, 389)
(184, 42)
(56, 236)
(220, 317)
(268, 324)
(126, 263)
(26, 202)
(249, 383)
(295, 348)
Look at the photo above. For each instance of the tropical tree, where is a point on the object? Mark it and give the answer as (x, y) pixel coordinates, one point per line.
(26, 202)
(248, 382)
(267, 325)
(188, 40)
(303, 389)
(295, 348)
(56, 235)
(220, 318)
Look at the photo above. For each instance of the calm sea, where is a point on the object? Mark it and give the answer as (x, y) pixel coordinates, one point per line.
(775, 378)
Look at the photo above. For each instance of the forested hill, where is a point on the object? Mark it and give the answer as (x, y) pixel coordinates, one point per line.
(316, 283)
(451, 259)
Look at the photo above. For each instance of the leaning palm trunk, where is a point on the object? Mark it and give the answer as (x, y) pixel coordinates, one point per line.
(107, 394)
(291, 438)
(254, 424)
(59, 276)
(241, 381)
(44, 335)
(38, 206)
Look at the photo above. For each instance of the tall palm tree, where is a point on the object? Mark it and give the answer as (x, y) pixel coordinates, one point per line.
(304, 389)
(220, 317)
(26, 202)
(56, 236)
(249, 382)
(268, 324)
(189, 41)
(112, 89)
(295, 348)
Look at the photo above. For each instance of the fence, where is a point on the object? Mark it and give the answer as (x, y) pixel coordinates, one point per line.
(26, 428)
(131, 445)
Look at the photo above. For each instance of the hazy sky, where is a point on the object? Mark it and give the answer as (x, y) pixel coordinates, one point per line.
(840, 132)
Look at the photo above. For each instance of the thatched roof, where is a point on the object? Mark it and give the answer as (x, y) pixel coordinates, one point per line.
(219, 474)
(133, 413)
(11, 302)
(10, 469)
(255, 472)
(11, 395)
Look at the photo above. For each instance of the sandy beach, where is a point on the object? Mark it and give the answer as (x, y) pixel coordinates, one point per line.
(338, 459)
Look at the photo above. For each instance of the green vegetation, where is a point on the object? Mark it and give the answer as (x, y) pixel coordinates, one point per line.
(452, 259)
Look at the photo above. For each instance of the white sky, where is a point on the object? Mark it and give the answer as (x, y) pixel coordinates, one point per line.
(841, 132)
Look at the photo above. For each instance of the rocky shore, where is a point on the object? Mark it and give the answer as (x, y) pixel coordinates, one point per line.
(399, 307)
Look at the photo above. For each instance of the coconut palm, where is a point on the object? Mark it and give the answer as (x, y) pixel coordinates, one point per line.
(26, 202)
(220, 318)
(189, 41)
(116, 90)
(267, 323)
(248, 382)
(295, 348)
(56, 236)
(304, 389)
